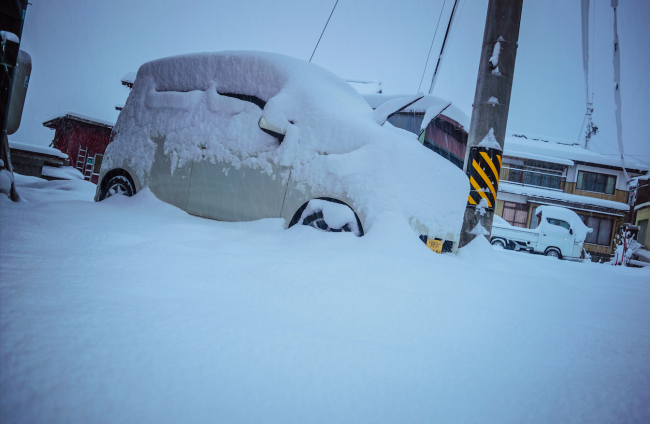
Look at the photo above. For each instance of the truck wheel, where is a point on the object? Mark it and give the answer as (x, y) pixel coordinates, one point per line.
(498, 243)
(553, 252)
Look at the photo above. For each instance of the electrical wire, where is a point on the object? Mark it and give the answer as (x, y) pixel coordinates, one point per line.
(618, 154)
(321, 34)
(434, 39)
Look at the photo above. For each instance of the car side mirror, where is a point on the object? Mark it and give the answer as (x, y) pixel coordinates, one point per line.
(571, 231)
(271, 129)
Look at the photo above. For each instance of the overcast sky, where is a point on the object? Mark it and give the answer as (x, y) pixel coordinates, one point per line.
(81, 48)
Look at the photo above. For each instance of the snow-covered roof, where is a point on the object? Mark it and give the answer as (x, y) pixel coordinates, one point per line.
(119, 106)
(541, 193)
(51, 121)
(207, 106)
(533, 156)
(128, 79)
(421, 106)
(365, 86)
(37, 149)
(564, 149)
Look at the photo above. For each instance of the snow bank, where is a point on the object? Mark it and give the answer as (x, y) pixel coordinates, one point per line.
(35, 189)
(118, 314)
(63, 172)
(332, 142)
(37, 149)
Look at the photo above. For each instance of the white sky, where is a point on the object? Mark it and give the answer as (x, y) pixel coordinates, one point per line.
(81, 48)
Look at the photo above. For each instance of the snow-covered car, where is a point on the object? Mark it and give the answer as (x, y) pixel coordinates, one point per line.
(560, 233)
(238, 136)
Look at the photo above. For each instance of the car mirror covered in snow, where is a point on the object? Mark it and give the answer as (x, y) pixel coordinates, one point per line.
(271, 130)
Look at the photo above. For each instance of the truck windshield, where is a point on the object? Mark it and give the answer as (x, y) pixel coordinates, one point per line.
(559, 222)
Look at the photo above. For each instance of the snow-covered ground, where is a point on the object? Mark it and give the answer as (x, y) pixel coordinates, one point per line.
(130, 310)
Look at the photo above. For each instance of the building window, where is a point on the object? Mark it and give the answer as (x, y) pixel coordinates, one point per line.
(602, 230)
(533, 172)
(599, 183)
(515, 214)
(643, 230)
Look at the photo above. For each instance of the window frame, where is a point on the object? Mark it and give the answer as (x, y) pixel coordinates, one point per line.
(583, 175)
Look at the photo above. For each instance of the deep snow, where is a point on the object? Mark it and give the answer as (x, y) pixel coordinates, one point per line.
(130, 310)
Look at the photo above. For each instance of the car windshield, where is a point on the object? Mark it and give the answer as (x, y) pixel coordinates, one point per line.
(558, 222)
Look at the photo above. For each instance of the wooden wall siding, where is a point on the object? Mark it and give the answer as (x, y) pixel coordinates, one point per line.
(498, 208)
(594, 248)
(618, 196)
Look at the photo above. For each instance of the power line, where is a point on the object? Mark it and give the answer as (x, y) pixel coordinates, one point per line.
(618, 154)
(321, 34)
(434, 39)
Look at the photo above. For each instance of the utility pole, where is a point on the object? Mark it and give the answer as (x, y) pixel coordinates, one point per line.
(12, 17)
(490, 116)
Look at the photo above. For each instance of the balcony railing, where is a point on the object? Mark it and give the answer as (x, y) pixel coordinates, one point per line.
(529, 177)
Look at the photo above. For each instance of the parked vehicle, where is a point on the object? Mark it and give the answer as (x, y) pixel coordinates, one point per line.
(560, 233)
(238, 136)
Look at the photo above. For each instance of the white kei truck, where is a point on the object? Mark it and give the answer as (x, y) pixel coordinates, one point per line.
(560, 233)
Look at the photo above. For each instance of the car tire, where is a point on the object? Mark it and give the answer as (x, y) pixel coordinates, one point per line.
(317, 220)
(499, 243)
(118, 184)
(553, 252)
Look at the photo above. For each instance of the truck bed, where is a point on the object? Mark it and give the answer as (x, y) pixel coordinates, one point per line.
(516, 234)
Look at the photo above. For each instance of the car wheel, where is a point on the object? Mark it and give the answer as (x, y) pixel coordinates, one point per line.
(331, 217)
(498, 243)
(118, 185)
(554, 253)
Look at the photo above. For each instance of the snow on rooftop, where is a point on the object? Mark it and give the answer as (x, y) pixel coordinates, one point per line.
(421, 106)
(544, 158)
(37, 149)
(79, 116)
(564, 149)
(508, 187)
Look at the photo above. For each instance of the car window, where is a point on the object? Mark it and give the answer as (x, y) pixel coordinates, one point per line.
(558, 222)
(247, 98)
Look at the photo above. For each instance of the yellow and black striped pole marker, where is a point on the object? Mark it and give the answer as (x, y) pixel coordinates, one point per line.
(483, 169)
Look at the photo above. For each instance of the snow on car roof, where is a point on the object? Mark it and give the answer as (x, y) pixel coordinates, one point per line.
(28, 147)
(579, 228)
(565, 149)
(332, 141)
(421, 106)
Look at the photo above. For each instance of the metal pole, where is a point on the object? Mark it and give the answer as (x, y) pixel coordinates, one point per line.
(4, 141)
(490, 116)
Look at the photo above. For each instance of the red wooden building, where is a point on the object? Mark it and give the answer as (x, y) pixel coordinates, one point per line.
(83, 139)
